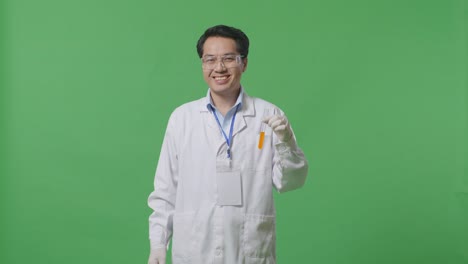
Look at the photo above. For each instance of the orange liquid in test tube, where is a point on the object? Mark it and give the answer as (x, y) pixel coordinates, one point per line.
(260, 141)
(266, 113)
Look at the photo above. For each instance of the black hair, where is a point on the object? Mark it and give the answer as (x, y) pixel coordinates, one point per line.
(242, 41)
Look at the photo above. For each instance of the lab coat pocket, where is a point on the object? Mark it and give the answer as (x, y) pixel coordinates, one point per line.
(259, 236)
(183, 236)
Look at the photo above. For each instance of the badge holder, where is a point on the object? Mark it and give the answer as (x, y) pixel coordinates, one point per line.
(229, 184)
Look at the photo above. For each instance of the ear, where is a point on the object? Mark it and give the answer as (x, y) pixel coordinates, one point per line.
(245, 62)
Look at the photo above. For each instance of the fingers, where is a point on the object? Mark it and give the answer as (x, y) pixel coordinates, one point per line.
(157, 256)
(271, 118)
(280, 125)
(275, 122)
(153, 260)
(267, 119)
(157, 260)
(279, 128)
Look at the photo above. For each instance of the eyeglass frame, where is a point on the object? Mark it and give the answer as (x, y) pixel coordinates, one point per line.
(238, 57)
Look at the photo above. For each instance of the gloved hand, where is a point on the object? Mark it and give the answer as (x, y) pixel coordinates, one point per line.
(157, 256)
(280, 125)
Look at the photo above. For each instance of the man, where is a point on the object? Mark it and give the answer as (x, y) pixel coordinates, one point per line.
(213, 183)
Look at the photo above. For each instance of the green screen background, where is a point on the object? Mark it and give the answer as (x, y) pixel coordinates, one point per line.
(376, 92)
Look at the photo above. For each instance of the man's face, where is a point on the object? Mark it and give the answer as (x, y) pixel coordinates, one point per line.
(222, 80)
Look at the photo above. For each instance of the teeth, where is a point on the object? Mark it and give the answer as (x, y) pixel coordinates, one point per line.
(221, 78)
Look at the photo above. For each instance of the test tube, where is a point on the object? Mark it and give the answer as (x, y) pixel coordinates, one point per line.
(266, 113)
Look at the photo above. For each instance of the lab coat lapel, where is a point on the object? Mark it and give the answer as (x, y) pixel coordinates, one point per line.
(240, 124)
(247, 110)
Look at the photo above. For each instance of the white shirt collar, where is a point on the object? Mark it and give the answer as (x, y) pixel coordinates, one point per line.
(211, 104)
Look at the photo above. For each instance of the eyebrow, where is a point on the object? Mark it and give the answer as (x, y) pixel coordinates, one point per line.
(229, 53)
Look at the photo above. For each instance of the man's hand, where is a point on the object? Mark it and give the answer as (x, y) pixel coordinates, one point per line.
(281, 127)
(157, 256)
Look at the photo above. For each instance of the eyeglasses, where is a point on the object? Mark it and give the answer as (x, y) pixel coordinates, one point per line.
(227, 61)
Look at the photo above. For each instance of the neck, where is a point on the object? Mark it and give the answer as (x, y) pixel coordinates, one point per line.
(224, 102)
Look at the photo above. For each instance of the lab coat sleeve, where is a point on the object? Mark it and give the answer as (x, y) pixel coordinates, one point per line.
(290, 166)
(162, 199)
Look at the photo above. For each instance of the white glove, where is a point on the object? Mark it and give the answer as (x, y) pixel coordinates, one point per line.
(281, 126)
(157, 256)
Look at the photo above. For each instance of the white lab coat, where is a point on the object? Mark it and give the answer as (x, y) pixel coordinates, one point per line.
(184, 199)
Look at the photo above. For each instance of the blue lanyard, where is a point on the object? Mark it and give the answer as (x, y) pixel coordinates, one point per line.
(228, 139)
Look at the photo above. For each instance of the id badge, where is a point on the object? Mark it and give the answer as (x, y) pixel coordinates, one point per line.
(229, 184)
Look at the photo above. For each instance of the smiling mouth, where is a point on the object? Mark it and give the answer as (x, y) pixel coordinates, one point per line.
(219, 78)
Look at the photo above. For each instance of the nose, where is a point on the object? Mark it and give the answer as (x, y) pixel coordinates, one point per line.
(220, 66)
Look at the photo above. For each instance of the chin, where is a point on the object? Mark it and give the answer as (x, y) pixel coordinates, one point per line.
(221, 88)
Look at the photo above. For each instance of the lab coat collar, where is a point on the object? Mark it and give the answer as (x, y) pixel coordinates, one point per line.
(247, 107)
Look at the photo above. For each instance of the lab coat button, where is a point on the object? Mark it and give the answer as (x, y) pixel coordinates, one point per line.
(218, 252)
